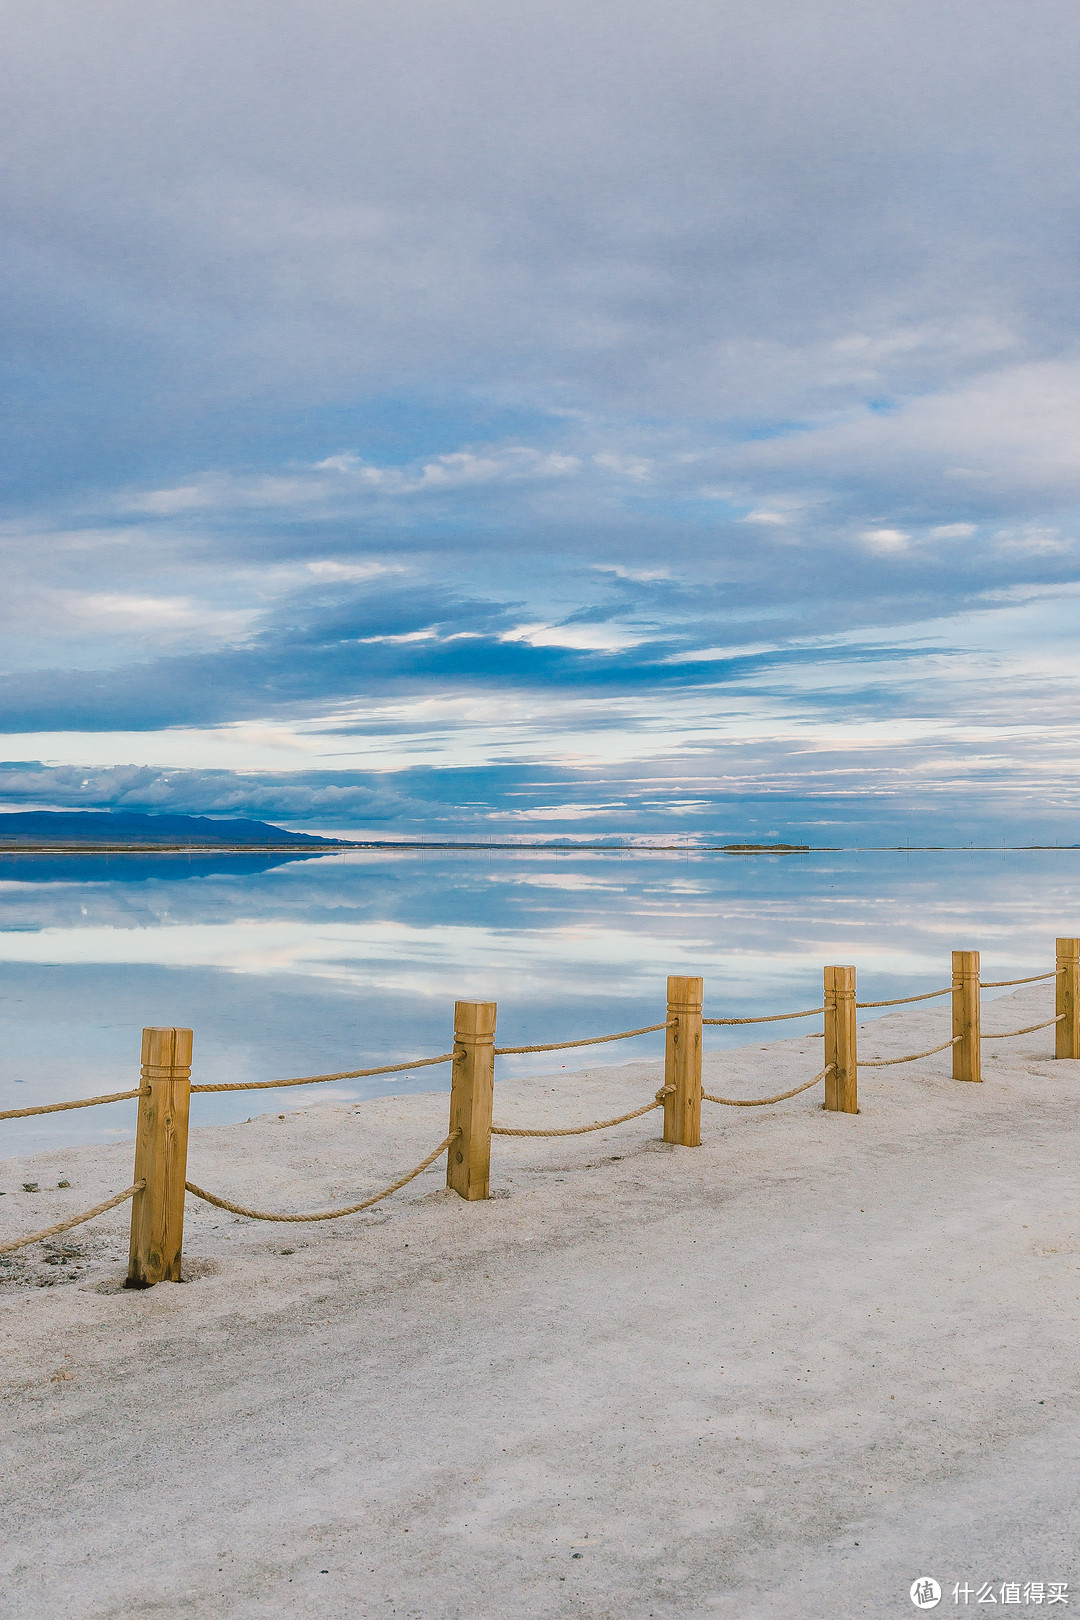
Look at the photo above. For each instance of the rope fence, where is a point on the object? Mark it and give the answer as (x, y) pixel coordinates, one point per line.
(912, 1057)
(1029, 1029)
(59, 1108)
(583, 1130)
(759, 1102)
(766, 1018)
(326, 1214)
(76, 1220)
(160, 1180)
(590, 1040)
(321, 1079)
(904, 1001)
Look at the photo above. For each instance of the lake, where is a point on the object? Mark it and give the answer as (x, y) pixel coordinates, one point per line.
(299, 966)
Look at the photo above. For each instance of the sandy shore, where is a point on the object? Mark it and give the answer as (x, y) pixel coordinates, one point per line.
(780, 1375)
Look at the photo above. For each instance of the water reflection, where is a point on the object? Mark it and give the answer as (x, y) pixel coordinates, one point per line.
(131, 868)
(326, 962)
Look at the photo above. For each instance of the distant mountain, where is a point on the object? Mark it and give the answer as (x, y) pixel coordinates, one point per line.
(133, 827)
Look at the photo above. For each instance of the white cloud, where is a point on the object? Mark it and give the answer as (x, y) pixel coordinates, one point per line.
(345, 477)
(886, 539)
(578, 637)
(636, 468)
(115, 611)
(405, 636)
(330, 568)
(642, 576)
(716, 654)
(566, 812)
(1009, 432)
(1034, 541)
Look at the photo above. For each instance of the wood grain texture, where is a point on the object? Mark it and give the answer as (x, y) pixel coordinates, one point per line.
(842, 1080)
(682, 1061)
(966, 1016)
(468, 1162)
(1067, 999)
(157, 1212)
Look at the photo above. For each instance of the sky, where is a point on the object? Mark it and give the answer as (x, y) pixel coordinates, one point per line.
(453, 419)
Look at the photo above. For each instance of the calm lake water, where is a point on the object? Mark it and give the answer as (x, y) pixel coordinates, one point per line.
(286, 967)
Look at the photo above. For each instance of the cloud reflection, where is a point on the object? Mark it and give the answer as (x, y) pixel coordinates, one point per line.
(331, 964)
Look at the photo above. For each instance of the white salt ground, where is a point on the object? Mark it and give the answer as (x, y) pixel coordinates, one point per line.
(780, 1375)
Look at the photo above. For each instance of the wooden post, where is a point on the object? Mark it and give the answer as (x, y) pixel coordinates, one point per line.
(682, 1062)
(157, 1212)
(1067, 999)
(967, 1053)
(842, 1082)
(472, 1084)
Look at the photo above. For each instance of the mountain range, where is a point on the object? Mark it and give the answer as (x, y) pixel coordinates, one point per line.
(136, 827)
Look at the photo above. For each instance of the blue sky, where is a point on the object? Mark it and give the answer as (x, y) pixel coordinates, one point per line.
(463, 419)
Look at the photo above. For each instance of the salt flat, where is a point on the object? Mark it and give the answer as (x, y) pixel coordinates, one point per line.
(781, 1374)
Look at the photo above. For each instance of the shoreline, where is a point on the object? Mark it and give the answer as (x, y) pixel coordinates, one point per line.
(429, 846)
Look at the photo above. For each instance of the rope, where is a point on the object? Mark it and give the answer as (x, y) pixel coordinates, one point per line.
(1000, 984)
(1029, 1029)
(886, 1063)
(83, 1102)
(76, 1220)
(601, 1124)
(318, 1079)
(759, 1102)
(327, 1214)
(425, 1063)
(766, 1018)
(591, 1040)
(928, 995)
(1002, 1035)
